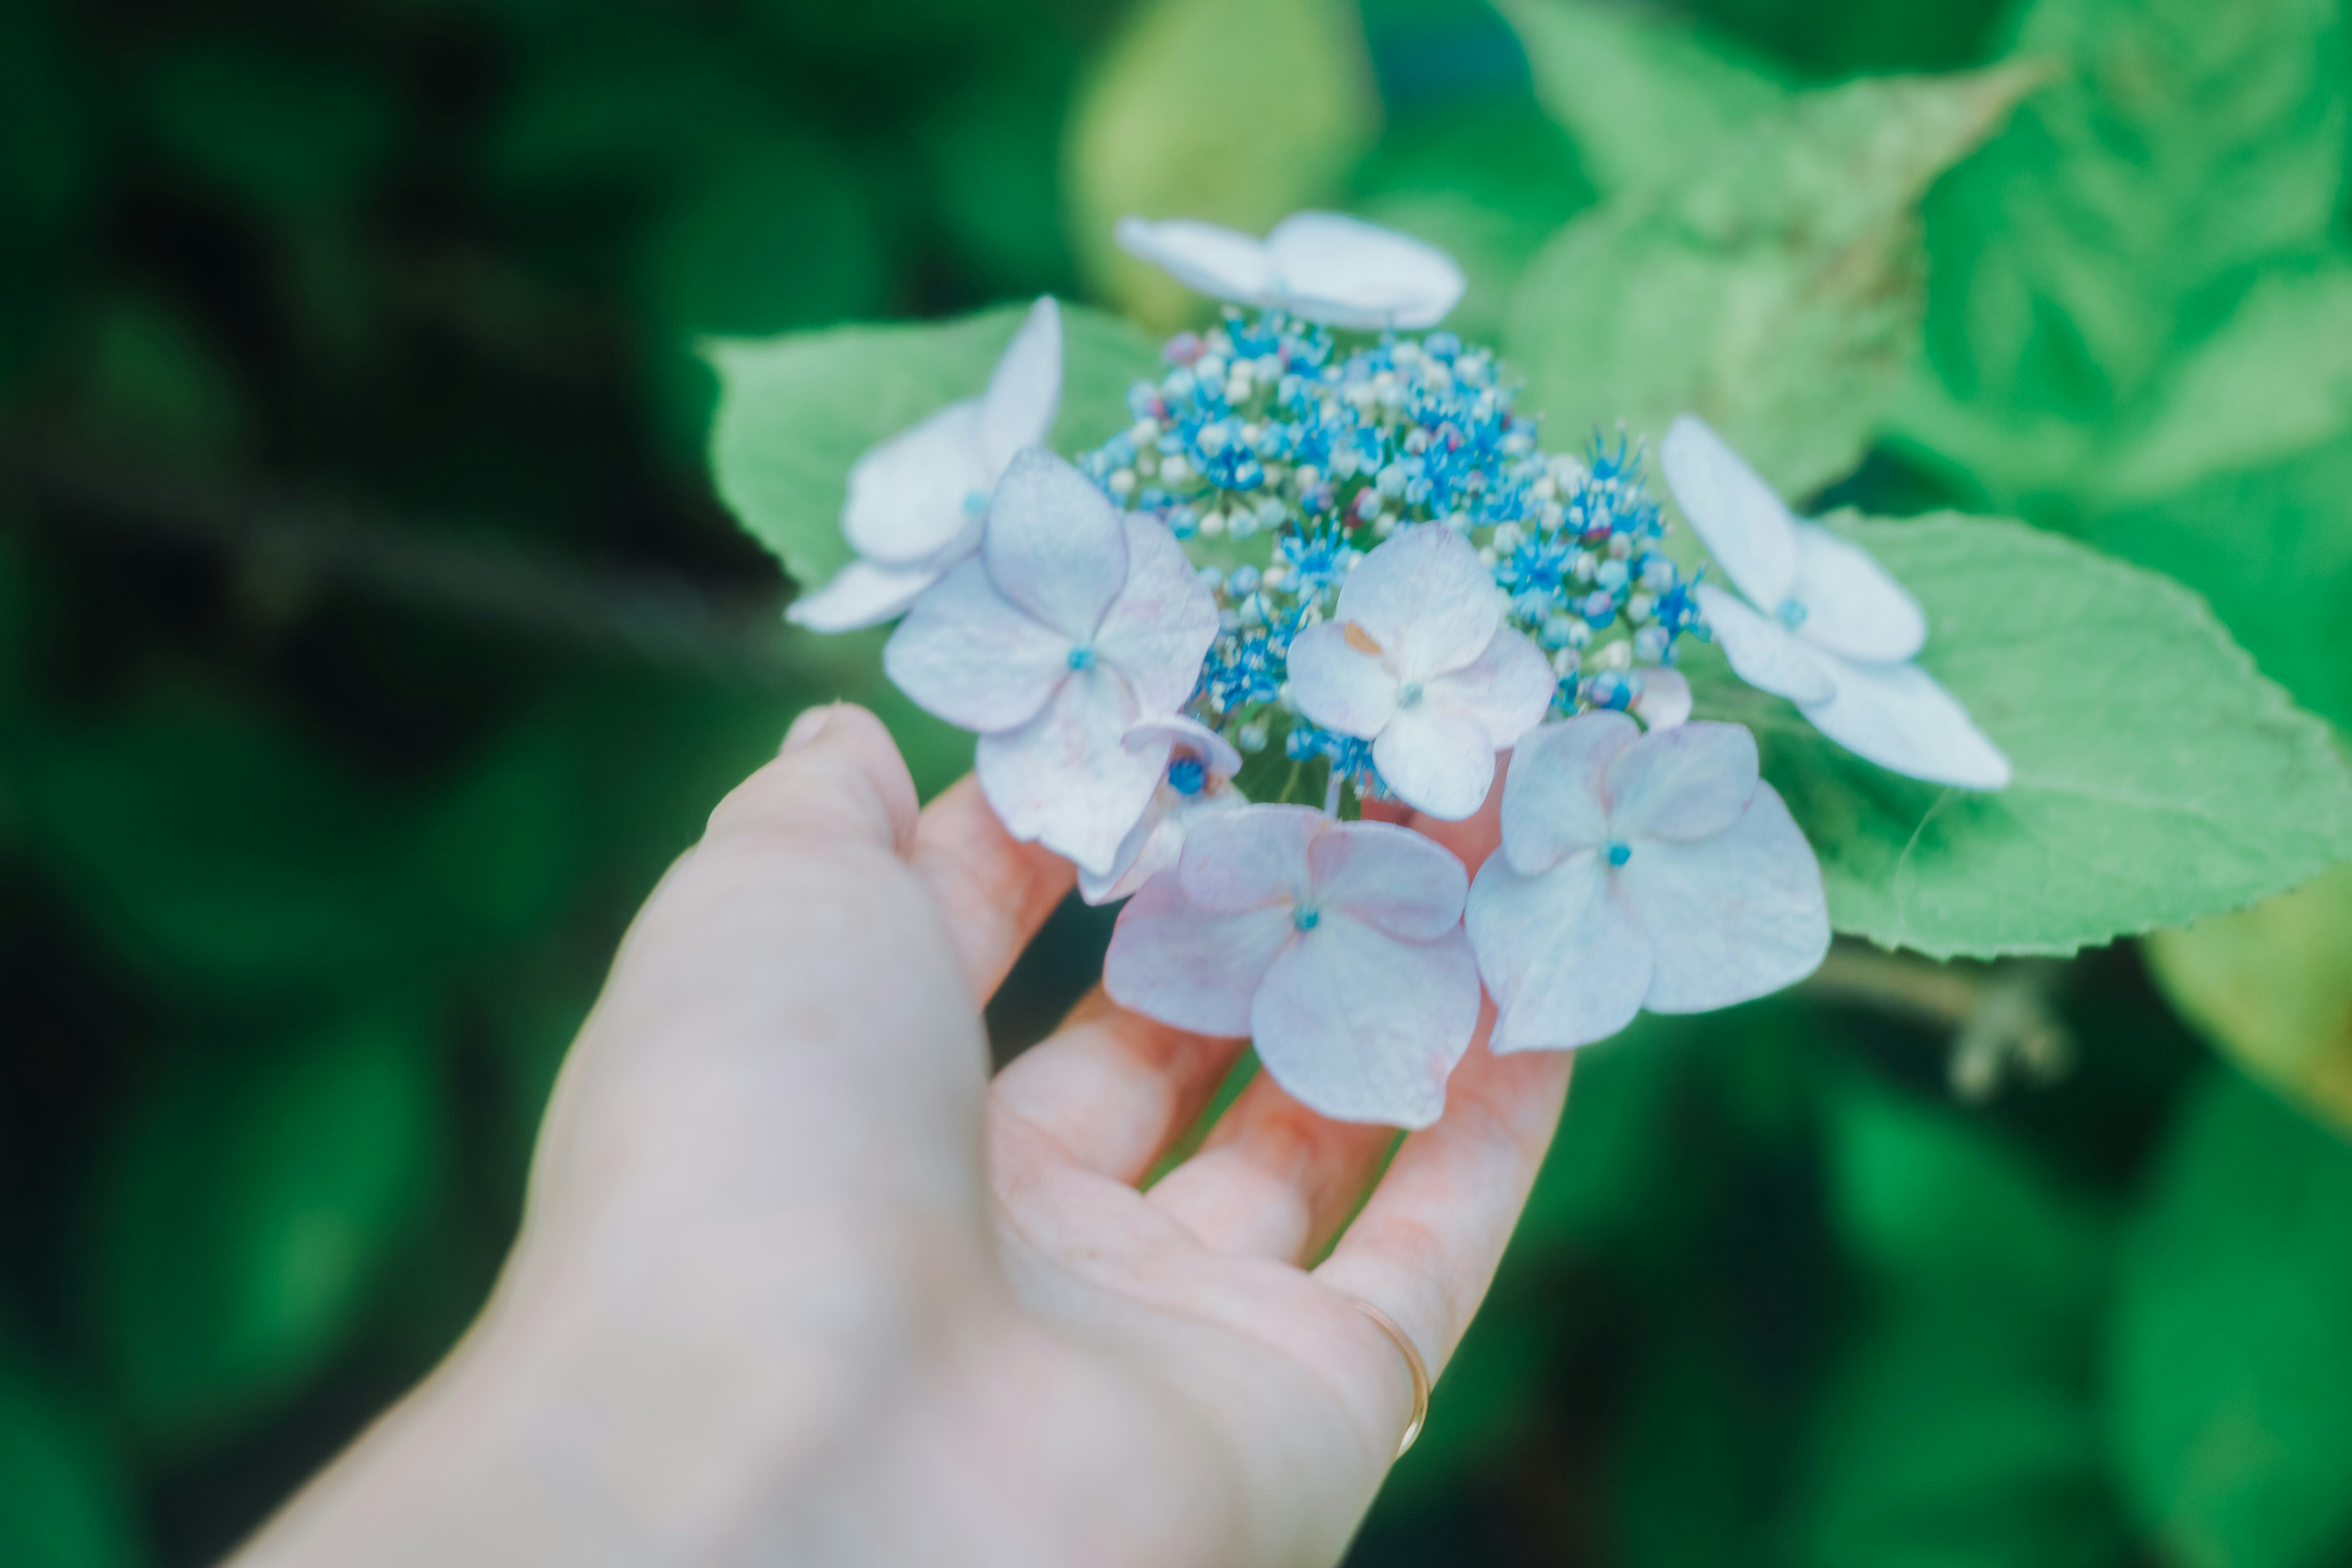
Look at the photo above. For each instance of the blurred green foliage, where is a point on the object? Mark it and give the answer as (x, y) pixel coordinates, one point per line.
(371, 637)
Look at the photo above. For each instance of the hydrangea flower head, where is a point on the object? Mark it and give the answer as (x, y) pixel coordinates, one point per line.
(917, 502)
(1336, 946)
(1655, 871)
(1070, 625)
(1822, 624)
(1319, 267)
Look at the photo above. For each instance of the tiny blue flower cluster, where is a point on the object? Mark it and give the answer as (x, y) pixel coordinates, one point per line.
(1280, 460)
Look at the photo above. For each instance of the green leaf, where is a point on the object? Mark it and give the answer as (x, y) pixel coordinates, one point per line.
(2188, 147)
(795, 412)
(2272, 986)
(64, 1502)
(2229, 1364)
(1236, 112)
(1777, 293)
(2158, 777)
(2271, 550)
(1647, 95)
(247, 1210)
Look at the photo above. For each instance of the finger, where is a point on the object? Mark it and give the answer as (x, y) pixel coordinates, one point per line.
(838, 779)
(1426, 1245)
(1113, 1089)
(1274, 1179)
(994, 889)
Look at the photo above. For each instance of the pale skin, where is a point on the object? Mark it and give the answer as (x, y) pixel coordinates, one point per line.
(799, 1283)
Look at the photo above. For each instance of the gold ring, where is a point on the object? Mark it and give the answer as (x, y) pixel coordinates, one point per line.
(1414, 1364)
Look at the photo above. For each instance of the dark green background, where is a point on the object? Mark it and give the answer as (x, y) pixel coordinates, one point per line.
(370, 638)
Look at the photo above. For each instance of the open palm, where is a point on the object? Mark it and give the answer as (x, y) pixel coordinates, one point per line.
(798, 1284)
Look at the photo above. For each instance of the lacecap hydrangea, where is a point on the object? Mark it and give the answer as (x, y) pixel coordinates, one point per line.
(1328, 566)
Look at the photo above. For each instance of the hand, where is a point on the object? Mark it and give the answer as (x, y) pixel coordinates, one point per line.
(798, 1284)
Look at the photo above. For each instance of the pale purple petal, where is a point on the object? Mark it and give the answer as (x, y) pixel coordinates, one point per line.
(1065, 778)
(1682, 784)
(1216, 753)
(1507, 688)
(1055, 545)
(1744, 525)
(1157, 840)
(1664, 701)
(1220, 262)
(1898, 716)
(1436, 760)
(1360, 1026)
(1250, 858)
(1852, 606)
(1349, 273)
(1731, 917)
(1391, 878)
(1025, 392)
(1553, 803)
(1172, 961)
(860, 595)
(1425, 599)
(967, 656)
(1162, 620)
(1566, 960)
(910, 496)
(1763, 652)
(1338, 686)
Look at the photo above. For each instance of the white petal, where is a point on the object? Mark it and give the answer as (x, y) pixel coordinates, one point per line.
(1425, 598)
(1172, 961)
(1349, 273)
(1216, 753)
(1682, 784)
(1507, 688)
(1161, 622)
(1338, 685)
(1064, 778)
(1852, 606)
(860, 595)
(1743, 525)
(1436, 760)
(1250, 858)
(1391, 878)
(1731, 917)
(1763, 652)
(1055, 545)
(910, 496)
(1154, 844)
(1666, 699)
(1220, 262)
(1553, 805)
(1362, 1027)
(966, 655)
(1025, 392)
(1900, 718)
(1565, 958)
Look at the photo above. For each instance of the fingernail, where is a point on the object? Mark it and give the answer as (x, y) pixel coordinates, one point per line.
(807, 727)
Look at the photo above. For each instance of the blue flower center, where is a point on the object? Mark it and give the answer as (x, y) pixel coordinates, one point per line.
(1186, 775)
(1619, 852)
(975, 501)
(1082, 657)
(1409, 694)
(1306, 917)
(1792, 614)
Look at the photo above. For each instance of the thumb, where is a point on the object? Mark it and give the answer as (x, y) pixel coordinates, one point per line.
(839, 779)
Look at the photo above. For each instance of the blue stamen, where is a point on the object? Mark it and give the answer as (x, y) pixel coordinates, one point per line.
(1619, 852)
(1306, 917)
(1082, 658)
(1408, 694)
(1792, 614)
(1186, 775)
